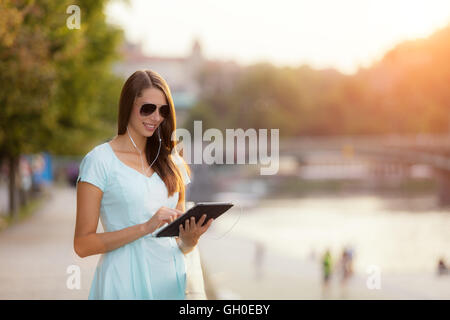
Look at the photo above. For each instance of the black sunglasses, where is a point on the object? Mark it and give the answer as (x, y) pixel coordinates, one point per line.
(148, 108)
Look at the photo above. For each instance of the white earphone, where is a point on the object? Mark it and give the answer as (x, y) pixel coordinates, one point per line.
(140, 152)
(159, 148)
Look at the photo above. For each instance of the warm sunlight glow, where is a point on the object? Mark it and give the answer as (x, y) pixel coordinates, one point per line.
(342, 34)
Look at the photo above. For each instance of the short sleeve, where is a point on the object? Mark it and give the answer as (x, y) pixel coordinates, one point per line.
(179, 161)
(93, 170)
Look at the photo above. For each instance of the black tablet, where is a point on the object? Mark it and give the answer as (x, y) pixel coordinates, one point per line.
(211, 209)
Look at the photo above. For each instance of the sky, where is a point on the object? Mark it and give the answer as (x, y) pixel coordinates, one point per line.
(341, 34)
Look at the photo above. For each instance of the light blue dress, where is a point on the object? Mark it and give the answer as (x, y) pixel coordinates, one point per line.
(149, 267)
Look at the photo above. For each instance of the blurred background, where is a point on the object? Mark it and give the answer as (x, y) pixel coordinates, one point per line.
(360, 205)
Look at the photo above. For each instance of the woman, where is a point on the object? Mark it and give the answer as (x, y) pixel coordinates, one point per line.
(135, 184)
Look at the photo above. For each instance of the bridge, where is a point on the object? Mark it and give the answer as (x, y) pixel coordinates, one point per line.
(403, 150)
(384, 156)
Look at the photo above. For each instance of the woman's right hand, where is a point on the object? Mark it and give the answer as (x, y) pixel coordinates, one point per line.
(162, 216)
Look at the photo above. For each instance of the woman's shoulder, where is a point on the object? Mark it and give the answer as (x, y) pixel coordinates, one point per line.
(98, 150)
(99, 154)
(94, 167)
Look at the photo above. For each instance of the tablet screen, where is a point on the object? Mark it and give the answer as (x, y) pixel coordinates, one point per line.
(211, 209)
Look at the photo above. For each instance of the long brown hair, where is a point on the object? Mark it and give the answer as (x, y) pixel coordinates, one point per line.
(163, 165)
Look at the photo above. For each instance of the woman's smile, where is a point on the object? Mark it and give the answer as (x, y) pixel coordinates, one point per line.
(149, 126)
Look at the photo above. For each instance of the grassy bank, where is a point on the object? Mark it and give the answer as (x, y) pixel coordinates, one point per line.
(296, 187)
(23, 213)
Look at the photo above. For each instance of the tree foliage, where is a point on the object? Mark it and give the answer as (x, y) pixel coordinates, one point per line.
(57, 91)
(405, 92)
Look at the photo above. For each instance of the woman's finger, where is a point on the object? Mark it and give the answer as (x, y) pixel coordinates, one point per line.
(192, 224)
(181, 229)
(186, 225)
(207, 225)
(201, 220)
(177, 213)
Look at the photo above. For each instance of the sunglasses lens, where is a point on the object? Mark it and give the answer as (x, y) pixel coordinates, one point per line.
(164, 111)
(147, 109)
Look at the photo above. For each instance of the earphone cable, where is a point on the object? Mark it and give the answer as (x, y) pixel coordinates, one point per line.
(140, 152)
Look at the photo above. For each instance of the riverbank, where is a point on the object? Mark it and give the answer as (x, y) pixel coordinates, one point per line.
(233, 273)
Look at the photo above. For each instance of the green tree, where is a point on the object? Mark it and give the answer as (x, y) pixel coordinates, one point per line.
(57, 89)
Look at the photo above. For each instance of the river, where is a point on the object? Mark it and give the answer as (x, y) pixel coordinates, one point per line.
(395, 234)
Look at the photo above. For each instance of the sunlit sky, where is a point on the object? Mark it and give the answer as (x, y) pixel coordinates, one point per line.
(343, 34)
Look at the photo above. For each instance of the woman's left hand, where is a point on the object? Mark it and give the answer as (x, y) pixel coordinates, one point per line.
(192, 231)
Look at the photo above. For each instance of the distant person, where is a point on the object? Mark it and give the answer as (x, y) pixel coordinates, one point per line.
(326, 271)
(351, 252)
(259, 255)
(345, 266)
(442, 268)
(312, 254)
(72, 174)
(346, 270)
(350, 257)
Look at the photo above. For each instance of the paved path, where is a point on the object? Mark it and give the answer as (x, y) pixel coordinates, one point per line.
(35, 254)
